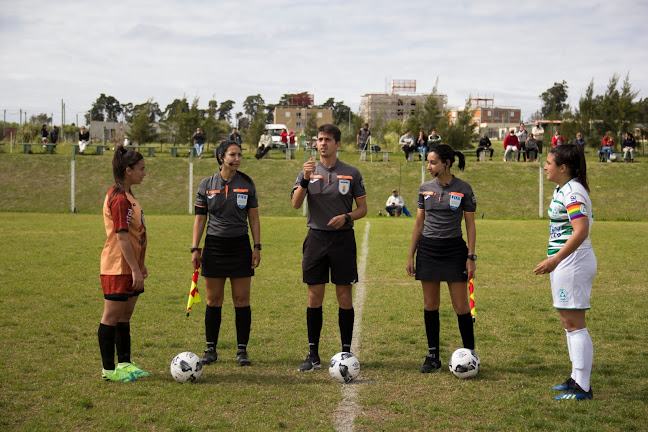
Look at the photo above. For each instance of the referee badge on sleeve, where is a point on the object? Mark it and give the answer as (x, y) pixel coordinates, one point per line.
(241, 200)
(344, 186)
(455, 200)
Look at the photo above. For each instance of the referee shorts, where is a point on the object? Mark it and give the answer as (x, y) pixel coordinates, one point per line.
(334, 250)
(571, 280)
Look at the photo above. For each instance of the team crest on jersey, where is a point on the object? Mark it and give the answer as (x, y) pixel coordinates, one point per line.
(241, 200)
(455, 200)
(344, 186)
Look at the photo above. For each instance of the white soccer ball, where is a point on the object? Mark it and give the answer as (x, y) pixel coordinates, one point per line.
(464, 363)
(186, 366)
(613, 157)
(344, 367)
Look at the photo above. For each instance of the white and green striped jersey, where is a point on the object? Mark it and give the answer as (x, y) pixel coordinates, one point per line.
(569, 202)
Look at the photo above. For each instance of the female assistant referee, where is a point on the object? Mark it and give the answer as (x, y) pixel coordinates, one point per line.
(441, 252)
(122, 266)
(225, 202)
(571, 262)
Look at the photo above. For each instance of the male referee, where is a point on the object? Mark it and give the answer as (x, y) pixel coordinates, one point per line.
(331, 187)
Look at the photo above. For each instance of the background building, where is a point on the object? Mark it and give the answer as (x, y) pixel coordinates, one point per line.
(301, 109)
(399, 103)
(496, 121)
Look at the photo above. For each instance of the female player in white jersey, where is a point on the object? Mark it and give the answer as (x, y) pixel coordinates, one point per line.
(571, 262)
(225, 202)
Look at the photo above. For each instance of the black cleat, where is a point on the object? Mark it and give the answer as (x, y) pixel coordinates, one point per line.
(311, 363)
(567, 385)
(242, 358)
(430, 364)
(209, 357)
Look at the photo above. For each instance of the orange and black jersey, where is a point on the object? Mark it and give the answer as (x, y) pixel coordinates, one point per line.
(227, 204)
(445, 207)
(331, 192)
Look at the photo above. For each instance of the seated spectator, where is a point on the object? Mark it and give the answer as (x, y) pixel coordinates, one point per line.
(421, 143)
(45, 135)
(532, 149)
(84, 139)
(408, 144)
(511, 144)
(628, 145)
(395, 204)
(557, 139)
(433, 140)
(607, 144)
(265, 143)
(579, 140)
(484, 145)
(54, 135)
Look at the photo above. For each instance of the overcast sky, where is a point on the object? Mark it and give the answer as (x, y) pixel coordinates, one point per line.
(135, 50)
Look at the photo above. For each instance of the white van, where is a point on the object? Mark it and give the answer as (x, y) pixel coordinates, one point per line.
(274, 130)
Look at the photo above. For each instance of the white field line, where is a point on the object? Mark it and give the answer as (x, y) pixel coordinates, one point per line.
(346, 411)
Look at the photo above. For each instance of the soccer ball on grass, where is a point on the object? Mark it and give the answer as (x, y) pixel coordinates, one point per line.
(344, 367)
(464, 363)
(186, 366)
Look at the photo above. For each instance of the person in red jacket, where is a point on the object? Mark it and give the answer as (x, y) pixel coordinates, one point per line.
(511, 143)
(284, 137)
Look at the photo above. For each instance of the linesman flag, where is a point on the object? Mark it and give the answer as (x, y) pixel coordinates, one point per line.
(471, 289)
(194, 297)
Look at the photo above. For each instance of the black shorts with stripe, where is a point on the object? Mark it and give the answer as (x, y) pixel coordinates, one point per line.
(224, 257)
(329, 250)
(441, 259)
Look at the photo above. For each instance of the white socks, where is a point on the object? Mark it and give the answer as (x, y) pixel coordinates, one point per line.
(581, 354)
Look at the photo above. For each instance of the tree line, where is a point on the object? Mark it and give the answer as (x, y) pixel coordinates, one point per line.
(616, 110)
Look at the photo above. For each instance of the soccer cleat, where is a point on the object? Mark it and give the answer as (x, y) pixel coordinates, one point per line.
(117, 375)
(430, 364)
(134, 369)
(577, 393)
(209, 357)
(312, 362)
(567, 385)
(242, 358)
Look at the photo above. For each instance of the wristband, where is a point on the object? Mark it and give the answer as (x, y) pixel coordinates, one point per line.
(257, 246)
(192, 250)
(304, 183)
(347, 216)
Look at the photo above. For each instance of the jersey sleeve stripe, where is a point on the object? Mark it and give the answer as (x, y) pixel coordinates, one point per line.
(213, 192)
(241, 190)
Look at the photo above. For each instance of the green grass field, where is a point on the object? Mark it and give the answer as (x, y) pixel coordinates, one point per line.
(50, 306)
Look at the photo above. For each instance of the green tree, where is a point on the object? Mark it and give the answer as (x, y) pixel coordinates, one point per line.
(586, 113)
(225, 110)
(311, 128)
(608, 108)
(460, 133)
(252, 104)
(105, 108)
(40, 119)
(341, 112)
(269, 113)
(628, 110)
(554, 101)
(182, 120)
(140, 130)
(256, 127)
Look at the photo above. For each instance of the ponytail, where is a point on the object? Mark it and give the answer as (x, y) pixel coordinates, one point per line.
(446, 153)
(121, 160)
(573, 157)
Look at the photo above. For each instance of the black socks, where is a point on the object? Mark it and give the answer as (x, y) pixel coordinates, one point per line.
(243, 323)
(123, 342)
(466, 330)
(432, 331)
(314, 325)
(212, 325)
(106, 336)
(345, 321)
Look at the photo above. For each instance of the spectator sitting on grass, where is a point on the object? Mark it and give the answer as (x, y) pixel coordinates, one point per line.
(395, 204)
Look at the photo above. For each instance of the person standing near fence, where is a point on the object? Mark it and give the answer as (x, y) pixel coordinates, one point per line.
(122, 266)
(225, 203)
(538, 133)
(362, 138)
(441, 252)
(330, 186)
(571, 263)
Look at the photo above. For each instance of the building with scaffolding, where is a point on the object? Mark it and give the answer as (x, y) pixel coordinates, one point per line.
(397, 104)
(496, 121)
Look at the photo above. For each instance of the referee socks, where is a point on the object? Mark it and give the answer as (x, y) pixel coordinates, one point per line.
(212, 325)
(466, 330)
(243, 318)
(314, 326)
(345, 321)
(431, 318)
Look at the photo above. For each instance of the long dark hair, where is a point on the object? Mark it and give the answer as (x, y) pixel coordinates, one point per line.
(222, 149)
(573, 157)
(121, 160)
(445, 153)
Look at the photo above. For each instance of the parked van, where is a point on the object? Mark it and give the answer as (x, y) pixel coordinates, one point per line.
(274, 130)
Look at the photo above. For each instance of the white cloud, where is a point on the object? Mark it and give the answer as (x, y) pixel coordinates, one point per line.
(137, 50)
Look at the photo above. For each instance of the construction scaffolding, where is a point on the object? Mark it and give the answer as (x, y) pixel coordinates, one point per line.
(394, 106)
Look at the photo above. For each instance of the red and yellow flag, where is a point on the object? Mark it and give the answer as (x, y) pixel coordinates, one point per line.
(194, 296)
(471, 289)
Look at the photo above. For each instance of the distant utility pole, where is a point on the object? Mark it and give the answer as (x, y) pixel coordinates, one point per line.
(20, 120)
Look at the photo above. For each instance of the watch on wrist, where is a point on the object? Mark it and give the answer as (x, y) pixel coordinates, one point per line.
(192, 250)
(472, 257)
(347, 217)
(257, 246)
